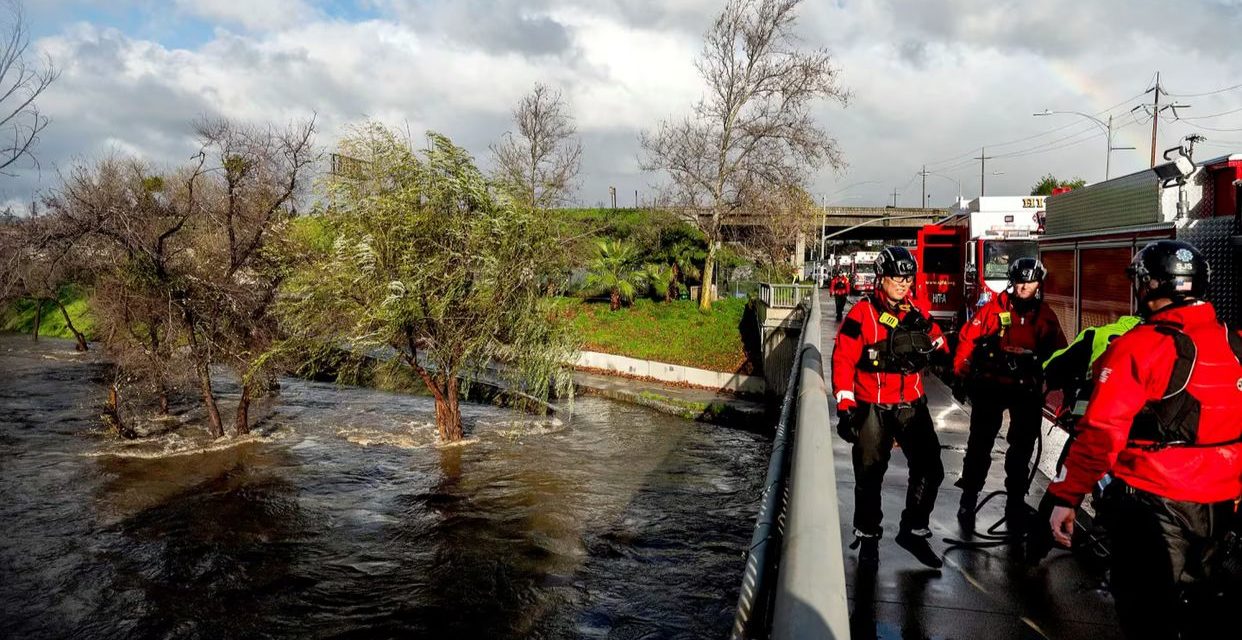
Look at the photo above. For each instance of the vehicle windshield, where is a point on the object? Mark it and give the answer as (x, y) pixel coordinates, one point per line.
(997, 254)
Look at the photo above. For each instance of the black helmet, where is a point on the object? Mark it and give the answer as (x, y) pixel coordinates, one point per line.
(1177, 268)
(895, 261)
(1026, 270)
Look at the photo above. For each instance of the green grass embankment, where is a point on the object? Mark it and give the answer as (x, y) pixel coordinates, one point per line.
(673, 332)
(19, 317)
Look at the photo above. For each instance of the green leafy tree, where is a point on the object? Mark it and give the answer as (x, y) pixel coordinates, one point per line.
(428, 261)
(616, 269)
(684, 249)
(661, 278)
(1049, 182)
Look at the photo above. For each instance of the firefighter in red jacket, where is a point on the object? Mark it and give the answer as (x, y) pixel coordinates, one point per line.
(1165, 419)
(999, 359)
(878, 359)
(840, 289)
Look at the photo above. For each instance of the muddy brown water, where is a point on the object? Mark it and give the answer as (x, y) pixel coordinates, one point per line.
(340, 517)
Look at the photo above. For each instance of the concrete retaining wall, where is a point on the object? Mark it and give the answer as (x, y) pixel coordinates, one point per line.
(671, 372)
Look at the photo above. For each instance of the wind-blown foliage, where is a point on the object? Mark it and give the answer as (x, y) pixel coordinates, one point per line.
(428, 261)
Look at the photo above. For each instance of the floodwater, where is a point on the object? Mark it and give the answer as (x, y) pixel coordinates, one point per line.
(340, 517)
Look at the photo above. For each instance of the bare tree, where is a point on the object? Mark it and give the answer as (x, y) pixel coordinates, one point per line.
(134, 242)
(775, 223)
(47, 260)
(538, 164)
(187, 260)
(753, 133)
(240, 196)
(21, 82)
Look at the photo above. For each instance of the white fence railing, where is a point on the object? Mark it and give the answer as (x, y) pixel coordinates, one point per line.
(785, 296)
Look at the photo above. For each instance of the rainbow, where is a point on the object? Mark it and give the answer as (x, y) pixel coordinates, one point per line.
(1097, 100)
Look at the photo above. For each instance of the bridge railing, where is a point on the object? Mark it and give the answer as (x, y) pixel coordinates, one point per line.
(794, 584)
(785, 296)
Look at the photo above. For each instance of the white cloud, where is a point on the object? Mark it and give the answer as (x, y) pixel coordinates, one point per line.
(251, 14)
(931, 79)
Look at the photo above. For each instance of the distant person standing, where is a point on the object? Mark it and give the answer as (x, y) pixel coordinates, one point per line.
(878, 360)
(840, 290)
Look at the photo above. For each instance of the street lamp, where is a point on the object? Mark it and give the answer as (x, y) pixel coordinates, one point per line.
(1106, 126)
(950, 179)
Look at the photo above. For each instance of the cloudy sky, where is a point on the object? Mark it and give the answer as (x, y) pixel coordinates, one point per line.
(932, 80)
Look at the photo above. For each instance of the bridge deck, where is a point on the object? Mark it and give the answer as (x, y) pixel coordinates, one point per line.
(983, 594)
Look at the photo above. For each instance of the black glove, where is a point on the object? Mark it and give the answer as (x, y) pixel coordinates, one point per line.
(959, 390)
(844, 428)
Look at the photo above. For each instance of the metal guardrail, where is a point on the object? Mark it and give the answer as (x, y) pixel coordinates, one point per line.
(799, 591)
(810, 591)
(785, 296)
(754, 603)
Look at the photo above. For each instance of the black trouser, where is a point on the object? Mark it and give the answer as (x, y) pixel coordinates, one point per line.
(989, 401)
(840, 300)
(877, 427)
(1162, 549)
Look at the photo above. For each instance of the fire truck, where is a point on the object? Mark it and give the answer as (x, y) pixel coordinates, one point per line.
(964, 259)
(1093, 232)
(862, 274)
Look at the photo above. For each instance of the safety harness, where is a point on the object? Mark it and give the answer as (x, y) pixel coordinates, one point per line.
(1173, 420)
(905, 346)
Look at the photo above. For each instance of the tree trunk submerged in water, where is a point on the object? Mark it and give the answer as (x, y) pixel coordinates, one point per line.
(215, 425)
(448, 412)
(112, 414)
(77, 335)
(444, 388)
(38, 318)
(241, 424)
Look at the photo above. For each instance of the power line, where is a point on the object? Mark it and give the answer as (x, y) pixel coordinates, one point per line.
(1214, 115)
(1205, 93)
(1207, 128)
(1037, 135)
(1093, 131)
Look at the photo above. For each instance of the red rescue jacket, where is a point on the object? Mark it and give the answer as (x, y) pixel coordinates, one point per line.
(1035, 330)
(1135, 373)
(840, 286)
(862, 327)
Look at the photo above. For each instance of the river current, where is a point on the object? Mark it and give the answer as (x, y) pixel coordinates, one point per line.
(341, 517)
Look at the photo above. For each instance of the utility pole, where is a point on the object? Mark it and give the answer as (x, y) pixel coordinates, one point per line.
(1154, 109)
(983, 163)
(923, 203)
(1155, 118)
(895, 198)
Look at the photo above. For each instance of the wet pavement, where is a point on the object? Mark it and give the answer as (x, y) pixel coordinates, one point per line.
(980, 593)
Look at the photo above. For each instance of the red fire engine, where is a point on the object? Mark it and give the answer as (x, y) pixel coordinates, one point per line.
(964, 259)
(1093, 232)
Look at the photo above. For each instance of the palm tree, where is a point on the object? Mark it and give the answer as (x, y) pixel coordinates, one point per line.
(683, 248)
(663, 280)
(616, 270)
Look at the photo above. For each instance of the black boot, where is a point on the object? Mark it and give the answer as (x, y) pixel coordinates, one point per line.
(869, 552)
(966, 511)
(868, 549)
(917, 545)
(1016, 513)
